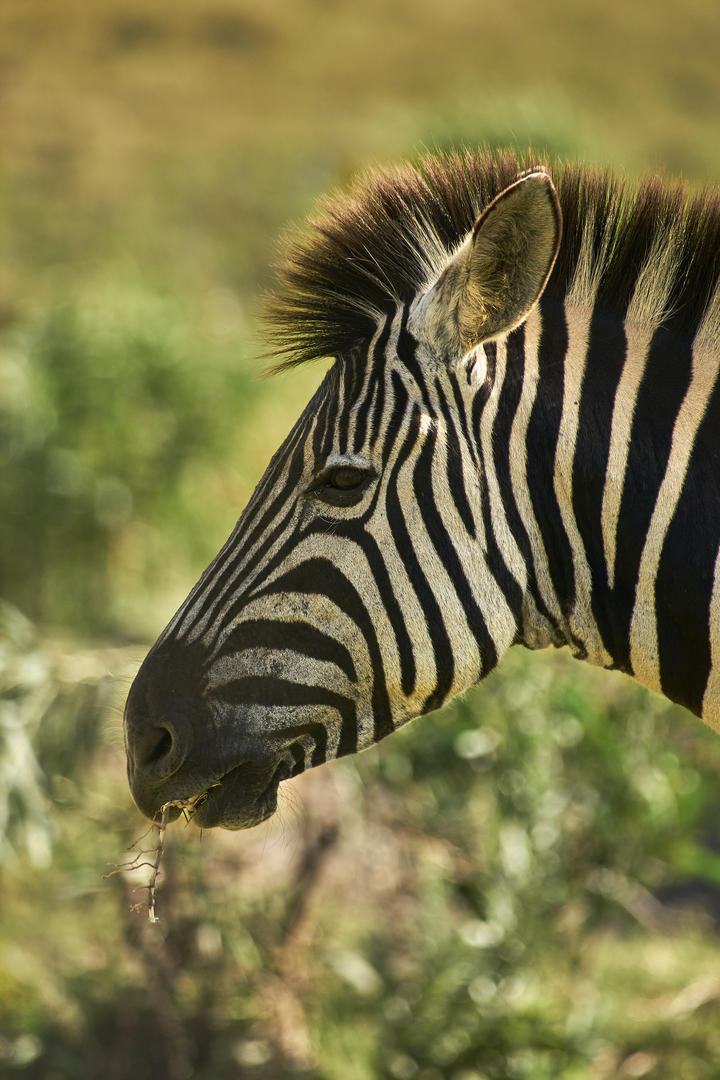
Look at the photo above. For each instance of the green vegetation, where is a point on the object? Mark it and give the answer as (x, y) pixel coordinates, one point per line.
(525, 885)
(532, 896)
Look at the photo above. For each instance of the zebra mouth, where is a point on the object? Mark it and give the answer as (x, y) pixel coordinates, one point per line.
(243, 797)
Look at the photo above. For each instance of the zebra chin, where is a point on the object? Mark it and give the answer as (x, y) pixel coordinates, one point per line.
(233, 802)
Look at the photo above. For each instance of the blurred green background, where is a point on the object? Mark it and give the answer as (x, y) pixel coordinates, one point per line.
(524, 885)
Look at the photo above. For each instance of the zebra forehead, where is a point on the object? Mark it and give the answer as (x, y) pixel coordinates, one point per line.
(650, 248)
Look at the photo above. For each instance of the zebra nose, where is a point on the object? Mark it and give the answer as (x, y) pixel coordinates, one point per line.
(160, 723)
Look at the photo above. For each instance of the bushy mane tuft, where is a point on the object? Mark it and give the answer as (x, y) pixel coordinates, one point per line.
(648, 247)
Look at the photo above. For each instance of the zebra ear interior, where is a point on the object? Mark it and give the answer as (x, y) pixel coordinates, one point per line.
(491, 284)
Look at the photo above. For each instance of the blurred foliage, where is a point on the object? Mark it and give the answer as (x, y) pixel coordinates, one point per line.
(534, 897)
(49, 731)
(107, 410)
(24, 808)
(523, 886)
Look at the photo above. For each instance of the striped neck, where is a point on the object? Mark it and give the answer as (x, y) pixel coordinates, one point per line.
(607, 438)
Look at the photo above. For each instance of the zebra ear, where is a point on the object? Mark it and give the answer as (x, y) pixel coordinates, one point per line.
(493, 281)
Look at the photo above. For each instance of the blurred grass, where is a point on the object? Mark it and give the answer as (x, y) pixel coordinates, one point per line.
(525, 885)
(186, 134)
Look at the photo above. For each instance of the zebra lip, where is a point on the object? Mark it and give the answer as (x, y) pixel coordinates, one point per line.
(243, 797)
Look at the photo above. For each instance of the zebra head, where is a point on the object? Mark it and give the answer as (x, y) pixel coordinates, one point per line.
(364, 583)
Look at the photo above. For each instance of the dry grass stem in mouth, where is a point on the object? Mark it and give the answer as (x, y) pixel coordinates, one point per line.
(155, 853)
(152, 883)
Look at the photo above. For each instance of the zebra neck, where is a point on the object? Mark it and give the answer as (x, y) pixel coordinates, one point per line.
(608, 433)
(523, 419)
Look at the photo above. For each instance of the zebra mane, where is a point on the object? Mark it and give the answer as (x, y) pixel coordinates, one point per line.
(650, 251)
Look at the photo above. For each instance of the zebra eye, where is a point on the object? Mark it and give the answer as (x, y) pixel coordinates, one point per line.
(345, 478)
(342, 485)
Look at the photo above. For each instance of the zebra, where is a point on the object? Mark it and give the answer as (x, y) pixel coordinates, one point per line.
(517, 442)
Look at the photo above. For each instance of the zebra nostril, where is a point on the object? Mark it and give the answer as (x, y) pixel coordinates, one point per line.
(159, 750)
(159, 745)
